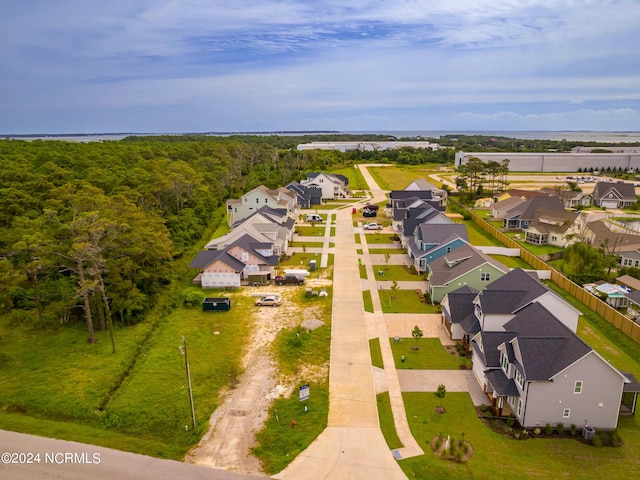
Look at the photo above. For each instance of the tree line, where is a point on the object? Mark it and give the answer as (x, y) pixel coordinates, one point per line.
(478, 178)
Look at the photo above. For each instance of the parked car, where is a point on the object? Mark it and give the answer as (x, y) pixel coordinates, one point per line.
(269, 301)
(313, 217)
(289, 280)
(369, 213)
(372, 226)
(371, 207)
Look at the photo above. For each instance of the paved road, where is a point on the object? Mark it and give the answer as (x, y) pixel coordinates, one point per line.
(96, 463)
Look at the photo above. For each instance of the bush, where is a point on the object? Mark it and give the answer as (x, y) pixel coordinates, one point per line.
(192, 298)
(560, 428)
(511, 420)
(597, 440)
(573, 429)
(548, 429)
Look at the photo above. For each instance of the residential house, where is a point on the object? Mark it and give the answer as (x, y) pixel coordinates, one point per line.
(332, 186)
(614, 194)
(570, 198)
(267, 225)
(555, 227)
(542, 372)
(405, 220)
(397, 198)
(218, 269)
(438, 194)
(625, 245)
(258, 257)
(305, 196)
(458, 313)
(501, 207)
(522, 214)
(254, 200)
(432, 241)
(463, 266)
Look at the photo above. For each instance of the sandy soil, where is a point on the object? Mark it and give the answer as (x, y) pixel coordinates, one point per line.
(244, 407)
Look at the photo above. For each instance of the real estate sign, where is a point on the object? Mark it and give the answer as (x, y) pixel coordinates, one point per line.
(304, 393)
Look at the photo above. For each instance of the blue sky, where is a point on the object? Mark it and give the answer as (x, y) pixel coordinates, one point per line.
(356, 65)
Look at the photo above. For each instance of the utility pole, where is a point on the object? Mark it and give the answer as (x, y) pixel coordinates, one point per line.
(183, 351)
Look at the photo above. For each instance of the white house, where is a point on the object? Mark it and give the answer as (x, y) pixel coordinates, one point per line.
(332, 186)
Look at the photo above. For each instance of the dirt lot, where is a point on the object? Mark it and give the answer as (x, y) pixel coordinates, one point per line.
(244, 406)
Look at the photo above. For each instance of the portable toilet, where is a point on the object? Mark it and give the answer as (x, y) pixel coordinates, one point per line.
(312, 265)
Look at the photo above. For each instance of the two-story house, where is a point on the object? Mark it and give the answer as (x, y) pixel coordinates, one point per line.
(521, 215)
(614, 194)
(438, 194)
(555, 227)
(405, 220)
(333, 186)
(431, 241)
(254, 200)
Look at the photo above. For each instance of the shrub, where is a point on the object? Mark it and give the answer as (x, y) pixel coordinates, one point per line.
(537, 431)
(573, 429)
(597, 440)
(548, 429)
(192, 298)
(560, 428)
(511, 420)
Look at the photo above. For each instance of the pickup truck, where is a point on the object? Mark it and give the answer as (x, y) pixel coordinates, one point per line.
(289, 280)
(372, 226)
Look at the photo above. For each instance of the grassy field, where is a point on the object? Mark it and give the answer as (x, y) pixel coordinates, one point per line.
(378, 238)
(399, 273)
(477, 236)
(376, 353)
(512, 262)
(396, 177)
(430, 356)
(404, 301)
(314, 231)
(356, 180)
(493, 453)
(307, 244)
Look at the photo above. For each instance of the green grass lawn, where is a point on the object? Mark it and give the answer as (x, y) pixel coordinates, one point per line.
(390, 251)
(380, 238)
(430, 356)
(398, 177)
(315, 231)
(396, 272)
(368, 303)
(512, 262)
(495, 455)
(404, 301)
(356, 180)
(535, 249)
(387, 425)
(477, 236)
(376, 353)
(307, 244)
(363, 271)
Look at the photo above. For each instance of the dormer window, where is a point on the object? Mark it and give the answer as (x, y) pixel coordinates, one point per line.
(505, 363)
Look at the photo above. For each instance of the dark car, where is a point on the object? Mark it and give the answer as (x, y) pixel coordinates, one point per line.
(369, 213)
(289, 280)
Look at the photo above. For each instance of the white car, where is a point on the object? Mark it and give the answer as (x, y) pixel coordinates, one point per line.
(269, 301)
(372, 226)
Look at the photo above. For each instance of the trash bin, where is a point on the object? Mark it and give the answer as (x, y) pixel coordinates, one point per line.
(312, 265)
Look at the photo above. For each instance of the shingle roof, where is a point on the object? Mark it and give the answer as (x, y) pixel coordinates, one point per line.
(502, 385)
(511, 292)
(549, 220)
(626, 190)
(528, 209)
(437, 234)
(207, 257)
(623, 241)
(461, 308)
(443, 270)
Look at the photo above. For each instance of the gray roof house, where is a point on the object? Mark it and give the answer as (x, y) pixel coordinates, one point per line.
(458, 312)
(522, 214)
(463, 266)
(406, 221)
(540, 371)
(305, 195)
(614, 194)
(218, 269)
(432, 240)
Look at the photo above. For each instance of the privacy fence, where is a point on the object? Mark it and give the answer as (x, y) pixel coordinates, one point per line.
(610, 314)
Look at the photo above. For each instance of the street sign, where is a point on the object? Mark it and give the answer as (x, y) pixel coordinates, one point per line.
(304, 393)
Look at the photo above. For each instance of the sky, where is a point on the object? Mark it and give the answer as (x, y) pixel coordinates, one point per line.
(175, 66)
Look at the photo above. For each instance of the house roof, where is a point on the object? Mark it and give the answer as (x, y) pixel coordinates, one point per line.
(548, 220)
(629, 281)
(461, 308)
(403, 194)
(207, 257)
(458, 262)
(528, 209)
(507, 204)
(566, 194)
(623, 241)
(516, 192)
(438, 234)
(511, 292)
(625, 190)
(421, 184)
(249, 244)
(502, 385)
(544, 356)
(634, 297)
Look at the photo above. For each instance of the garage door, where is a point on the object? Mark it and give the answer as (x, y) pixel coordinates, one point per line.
(610, 203)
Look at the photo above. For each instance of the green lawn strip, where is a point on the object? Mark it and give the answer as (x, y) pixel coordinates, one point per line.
(381, 238)
(492, 453)
(356, 180)
(387, 425)
(477, 236)
(399, 273)
(159, 375)
(278, 443)
(404, 301)
(307, 244)
(512, 262)
(398, 177)
(359, 251)
(358, 241)
(430, 356)
(390, 251)
(91, 435)
(363, 271)
(613, 340)
(376, 353)
(317, 231)
(368, 303)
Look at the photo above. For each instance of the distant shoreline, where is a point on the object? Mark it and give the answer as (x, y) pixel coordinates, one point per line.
(569, 135)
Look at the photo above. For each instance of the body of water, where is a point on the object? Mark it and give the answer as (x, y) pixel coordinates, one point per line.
(574, 136)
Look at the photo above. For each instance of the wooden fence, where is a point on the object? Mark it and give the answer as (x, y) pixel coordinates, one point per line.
(607, 312)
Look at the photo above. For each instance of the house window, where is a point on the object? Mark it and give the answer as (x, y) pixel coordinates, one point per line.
(257, 200)
(505, 363)
(520, 380)
(519, 407)
(485, 276)
(566, 413)
(554, 238)
(577, 387)
(448, 249)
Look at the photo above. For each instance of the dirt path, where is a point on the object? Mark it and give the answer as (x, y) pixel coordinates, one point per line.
(245, 406)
